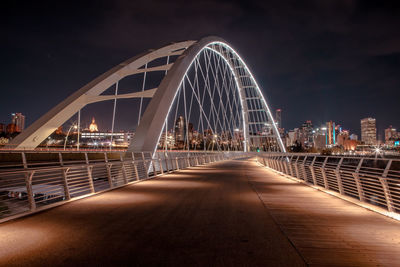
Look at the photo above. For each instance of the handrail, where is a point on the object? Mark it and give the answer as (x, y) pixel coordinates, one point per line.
(374, 181)
(28, 190)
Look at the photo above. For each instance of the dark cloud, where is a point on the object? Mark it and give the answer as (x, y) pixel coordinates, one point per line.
(318, 60)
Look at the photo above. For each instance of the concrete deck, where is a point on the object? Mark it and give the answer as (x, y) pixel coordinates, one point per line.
(232, 213)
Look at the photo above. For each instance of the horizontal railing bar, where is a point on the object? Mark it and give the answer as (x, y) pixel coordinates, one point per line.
(372, 180)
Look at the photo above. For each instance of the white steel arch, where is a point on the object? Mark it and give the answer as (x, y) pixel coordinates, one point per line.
(151, 124)
(148, 133)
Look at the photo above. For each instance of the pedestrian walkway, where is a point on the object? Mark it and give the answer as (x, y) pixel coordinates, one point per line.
(231, 213)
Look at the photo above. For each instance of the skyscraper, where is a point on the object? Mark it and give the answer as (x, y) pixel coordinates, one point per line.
(2, 128)
(278, 118)
(330, 133)
(368, 131)
(306, 134)
(180, 131)
(390, 135)
(19, 120)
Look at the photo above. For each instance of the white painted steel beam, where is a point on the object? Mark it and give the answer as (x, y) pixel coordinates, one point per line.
(98, 98)
(32, 136)
(149, 130)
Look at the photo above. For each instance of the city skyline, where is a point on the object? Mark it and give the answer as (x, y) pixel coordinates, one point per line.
(85, 124)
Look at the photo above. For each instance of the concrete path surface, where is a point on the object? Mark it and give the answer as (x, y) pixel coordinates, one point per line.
(232, 213)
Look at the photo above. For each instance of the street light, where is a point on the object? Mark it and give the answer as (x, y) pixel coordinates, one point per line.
(69, 130)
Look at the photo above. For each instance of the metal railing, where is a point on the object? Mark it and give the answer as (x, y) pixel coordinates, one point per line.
(40, 185)
(374, 181)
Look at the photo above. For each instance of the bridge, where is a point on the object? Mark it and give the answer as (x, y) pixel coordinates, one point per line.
(224, 191)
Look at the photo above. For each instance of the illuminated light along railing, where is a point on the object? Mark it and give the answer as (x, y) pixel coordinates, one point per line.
(373, 183)
(32, 187)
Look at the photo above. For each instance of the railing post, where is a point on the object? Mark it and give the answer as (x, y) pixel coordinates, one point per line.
(135, 168)
(146, 169)
(89, 170)
(338, 177)
(123, 169)
(357, 181)
(188, 162)
(326, 185)
(108, 167)
(278, 163)
(290, 166)
(154, 167)
(176, 162)
(303, 169)
(312, 171)
(28, 183)
(29, 190)
(161, 167)
(271, 162)
(275, 164)
(197, 160)
(296, 168)
(186, 159)
(385, 187)
(285, 165)
(166, 163)
(64, 177)
(24, 162)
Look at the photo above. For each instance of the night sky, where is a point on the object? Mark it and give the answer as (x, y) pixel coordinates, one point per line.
(316, 60)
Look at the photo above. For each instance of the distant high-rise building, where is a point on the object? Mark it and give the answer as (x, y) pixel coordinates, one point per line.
(306, 134)
(330, 133)
(278, 118)
(319, 141)
(342, 137)
(368, 131)
(319, 137)
(180, 131)
(293, 136)
(2, 128)
(391, 135)
(11, 128)
(19, 120)
(190, 130)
